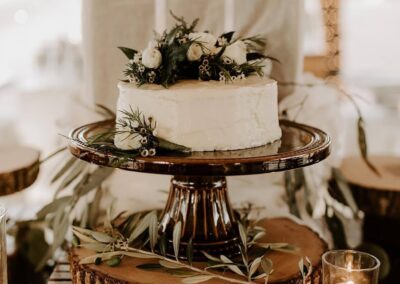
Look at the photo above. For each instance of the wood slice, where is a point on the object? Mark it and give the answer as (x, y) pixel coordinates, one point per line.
(18, 168)
(278, 230)
(375, 195)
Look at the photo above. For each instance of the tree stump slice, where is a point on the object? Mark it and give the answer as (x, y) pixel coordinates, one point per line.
(19, 168)
(278, 230)
(375, 195)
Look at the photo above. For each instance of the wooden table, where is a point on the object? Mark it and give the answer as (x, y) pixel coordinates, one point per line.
(18, 168)
(285, 265)
(379, 197)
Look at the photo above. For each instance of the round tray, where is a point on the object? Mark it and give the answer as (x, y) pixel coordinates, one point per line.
(300, 146)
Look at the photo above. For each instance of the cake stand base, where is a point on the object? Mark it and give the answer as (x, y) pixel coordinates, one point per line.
(202, 205)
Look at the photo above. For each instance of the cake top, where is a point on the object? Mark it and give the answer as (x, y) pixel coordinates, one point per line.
(190, 84)
(182, 53)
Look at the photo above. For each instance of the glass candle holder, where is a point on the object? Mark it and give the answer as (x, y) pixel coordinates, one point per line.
(349, 267)
(3, 254)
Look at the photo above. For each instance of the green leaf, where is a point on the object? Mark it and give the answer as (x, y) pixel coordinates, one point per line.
(197, 279)
(97, 247)
(243, 235)
(153, 229)
(64, 169)
(170, 265)
(105, 111)
(210, 257)
(254, 266)
(267, 265)
(281, 247)
(71, 176)
(102, 237)
(140, 228)
(258, 236)
(95, 179)
(260, 276)
(228, 36)
(129, 52)
(149, 266)
(60, 226)
(83, 237)
(139, 255)
(305, 267)
(232, 266)
(176, 238)
(53, 206)
(166, 145)
(362, 142)
(189, 251)
(108, 255)
(254, 56)
(94, 207)
(344, 188)
(163, 244)
(108, 218)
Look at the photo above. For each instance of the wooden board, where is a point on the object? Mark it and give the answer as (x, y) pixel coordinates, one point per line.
(278, 230)
(375, 195)
(18, 168)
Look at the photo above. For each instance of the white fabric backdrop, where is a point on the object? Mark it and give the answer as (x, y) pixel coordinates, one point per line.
(109, 24)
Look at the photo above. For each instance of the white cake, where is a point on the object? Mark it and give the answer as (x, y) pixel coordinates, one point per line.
(206, 115)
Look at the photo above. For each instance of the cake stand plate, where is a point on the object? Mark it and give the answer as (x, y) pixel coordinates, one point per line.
(198, 194)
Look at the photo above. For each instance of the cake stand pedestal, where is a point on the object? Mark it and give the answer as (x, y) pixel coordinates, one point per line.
(198, 194)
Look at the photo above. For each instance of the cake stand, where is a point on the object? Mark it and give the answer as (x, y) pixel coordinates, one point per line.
(198, 195)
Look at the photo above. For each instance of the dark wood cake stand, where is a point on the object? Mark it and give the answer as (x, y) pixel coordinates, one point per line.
(198, 191)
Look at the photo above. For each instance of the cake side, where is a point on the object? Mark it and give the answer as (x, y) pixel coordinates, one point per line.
(206, 115)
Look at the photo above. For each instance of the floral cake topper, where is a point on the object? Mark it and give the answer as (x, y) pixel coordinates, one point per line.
(184, 53)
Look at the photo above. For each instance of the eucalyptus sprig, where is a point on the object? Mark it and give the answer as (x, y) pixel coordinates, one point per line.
(140, 129)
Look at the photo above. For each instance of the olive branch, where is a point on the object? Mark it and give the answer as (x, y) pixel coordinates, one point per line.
(138, 237)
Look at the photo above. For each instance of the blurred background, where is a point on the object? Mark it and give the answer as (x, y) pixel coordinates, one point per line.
(356, 42)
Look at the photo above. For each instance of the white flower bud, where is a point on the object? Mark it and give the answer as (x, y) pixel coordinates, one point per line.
(151, 58)
(206, 40)
(144, 153)
(194, 52)
(152, 152)
(237, 52)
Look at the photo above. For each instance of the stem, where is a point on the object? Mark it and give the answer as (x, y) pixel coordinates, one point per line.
(202, 271)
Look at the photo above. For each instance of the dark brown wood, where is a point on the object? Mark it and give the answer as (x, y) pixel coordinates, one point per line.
(203, 207)
(375, 195)
(19, 168)
(300, 146)
(285, 265)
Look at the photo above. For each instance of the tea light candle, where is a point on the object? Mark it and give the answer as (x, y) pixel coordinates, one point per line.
(349, 267)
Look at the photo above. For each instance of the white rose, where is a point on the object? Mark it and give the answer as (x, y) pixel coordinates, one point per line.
(237, 52)
(151, 58)
(207, 41)
(194, 52)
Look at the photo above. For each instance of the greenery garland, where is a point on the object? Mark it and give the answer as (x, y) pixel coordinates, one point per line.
(184, 53)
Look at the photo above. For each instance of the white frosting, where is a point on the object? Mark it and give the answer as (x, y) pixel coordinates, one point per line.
(207, 115)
